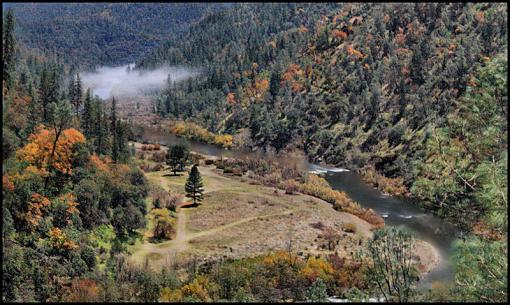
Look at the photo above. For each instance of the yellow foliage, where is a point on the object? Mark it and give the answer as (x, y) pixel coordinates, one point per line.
(317, 268)
(200, 288)
(70, 200)
(59, 240)
(39, 151)
(280, 257)
(352, 51)
(170, 295)
(35, 206)
(195, 132)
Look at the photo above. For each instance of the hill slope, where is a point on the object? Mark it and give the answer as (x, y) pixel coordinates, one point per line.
(103, 33)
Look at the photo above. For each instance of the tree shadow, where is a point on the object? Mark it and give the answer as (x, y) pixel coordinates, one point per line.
(189, 205)
(157, 240)
(172, 175)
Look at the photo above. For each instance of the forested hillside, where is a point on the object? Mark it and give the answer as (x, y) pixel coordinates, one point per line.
(365, 86)
(70, 191)
(413, 97)
(103, 33)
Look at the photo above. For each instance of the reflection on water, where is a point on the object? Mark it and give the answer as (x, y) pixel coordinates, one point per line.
(396, 212)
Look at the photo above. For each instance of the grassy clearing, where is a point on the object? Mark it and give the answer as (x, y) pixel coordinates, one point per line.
(238, 219)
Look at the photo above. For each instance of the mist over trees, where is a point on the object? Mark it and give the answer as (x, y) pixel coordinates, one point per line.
(413, 96)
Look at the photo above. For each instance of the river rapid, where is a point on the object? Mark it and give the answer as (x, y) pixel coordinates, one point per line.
(395, 211)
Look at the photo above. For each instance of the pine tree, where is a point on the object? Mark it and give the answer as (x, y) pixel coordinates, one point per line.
(71, 90)
(113, 129)
(87, 116)
(77, 94)
(9, 48)
(194, 185)
(177, 157)
(113, 115)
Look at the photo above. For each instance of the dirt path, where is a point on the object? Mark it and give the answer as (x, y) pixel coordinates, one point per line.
(180, 241)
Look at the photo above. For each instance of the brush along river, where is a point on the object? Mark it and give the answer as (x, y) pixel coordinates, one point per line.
(396, 212)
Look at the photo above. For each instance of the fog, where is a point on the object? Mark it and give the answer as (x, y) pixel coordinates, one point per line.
(123, 82)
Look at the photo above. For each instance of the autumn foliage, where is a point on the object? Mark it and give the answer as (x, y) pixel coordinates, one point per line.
(59, 240)
(83, 290)
(40, 152)
(195, 132)
(36, 206)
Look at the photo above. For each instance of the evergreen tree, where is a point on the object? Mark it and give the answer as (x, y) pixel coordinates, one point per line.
(194, 185)
(9, 48)
(177, 157)
(87, 116)
(113, 115)
(113, 130)
(77, 94)
(71, 90)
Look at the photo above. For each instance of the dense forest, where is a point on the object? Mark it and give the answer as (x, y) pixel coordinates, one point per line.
(90, 34)
(412, 96)
(377, 88)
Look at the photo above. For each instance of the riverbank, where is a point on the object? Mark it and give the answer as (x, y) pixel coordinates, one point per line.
(241, 218)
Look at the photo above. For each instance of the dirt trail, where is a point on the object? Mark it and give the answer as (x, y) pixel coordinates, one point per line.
(169, 250)
(180, 241)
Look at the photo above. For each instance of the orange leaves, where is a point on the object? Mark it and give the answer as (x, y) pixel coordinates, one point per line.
(39, 151)
(356, 20)
(99, 164)
(70, 200)
(480, 17)
(35, 206)
(400, 38)
(290, 73)
(339, 34)
(258, 89)
(302, 29)
(83, 290)
(261, 85)
(297, 87)
(7, 183)
(351, 51)
(451, 49)
(231, 98)
(59, 240)
(481, 229)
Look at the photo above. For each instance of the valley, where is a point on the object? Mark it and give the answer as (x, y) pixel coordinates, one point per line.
(254, 152)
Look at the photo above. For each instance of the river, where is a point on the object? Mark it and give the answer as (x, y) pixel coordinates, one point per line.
(396, 212)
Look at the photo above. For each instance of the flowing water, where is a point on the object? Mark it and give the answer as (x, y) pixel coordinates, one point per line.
(396, 212)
